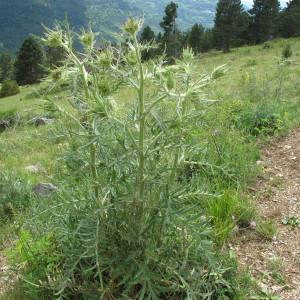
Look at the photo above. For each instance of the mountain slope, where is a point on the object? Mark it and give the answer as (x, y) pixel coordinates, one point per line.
(18, 18)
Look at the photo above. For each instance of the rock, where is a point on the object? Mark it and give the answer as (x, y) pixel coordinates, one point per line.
(43, 121)
(4, 124)
(35, 169)
(252, 225)
(44, 189)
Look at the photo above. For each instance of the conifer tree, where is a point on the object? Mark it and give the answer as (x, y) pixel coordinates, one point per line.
(147, 35)
(207, 40)
(229, 14)
(6, 66)
(265, 15)
(29, 63)
(290, 19)
(195, 37)
(171, 33)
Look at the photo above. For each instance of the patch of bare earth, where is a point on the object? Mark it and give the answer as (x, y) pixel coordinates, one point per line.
(277, 194)
(5, 276)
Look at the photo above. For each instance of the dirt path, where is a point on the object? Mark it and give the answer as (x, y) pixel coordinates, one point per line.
(276, 263)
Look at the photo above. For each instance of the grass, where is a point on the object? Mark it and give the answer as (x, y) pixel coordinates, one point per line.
(28, 147)
(267, 229)
(257, 97)
(23, 102)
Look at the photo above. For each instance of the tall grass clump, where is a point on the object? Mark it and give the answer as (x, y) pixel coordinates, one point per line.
(15, 195)
(125, 225)
(287, 51)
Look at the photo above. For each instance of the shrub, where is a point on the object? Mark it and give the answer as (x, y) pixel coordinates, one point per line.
(267, 45)
(7, 119)
(258, 122)
(287, 51)
(267, 124)
(9, 88)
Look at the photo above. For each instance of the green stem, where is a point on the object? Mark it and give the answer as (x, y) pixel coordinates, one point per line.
(141, 183)
(94, 169)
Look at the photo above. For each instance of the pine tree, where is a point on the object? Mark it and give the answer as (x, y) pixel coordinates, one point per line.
(227, 23)
(29, 63)
(147, 35)
(265, 15)
(195, 37)
(207, 40)
(290, 19)
(6, 66)
(171, 33)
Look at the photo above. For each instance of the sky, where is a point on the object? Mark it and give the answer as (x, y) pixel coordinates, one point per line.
(250, 2)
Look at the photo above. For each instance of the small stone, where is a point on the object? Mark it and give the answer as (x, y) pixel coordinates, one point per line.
(4, 125)
(43, 121)
(35, 169)
(44, 189)
(252, 225)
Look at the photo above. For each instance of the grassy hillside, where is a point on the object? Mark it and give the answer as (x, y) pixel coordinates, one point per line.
(257, 97)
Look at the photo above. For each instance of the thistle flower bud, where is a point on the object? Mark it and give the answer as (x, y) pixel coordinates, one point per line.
(105, 58)
(54, 39)
(132, 26)
(88, 39)
(188, 55)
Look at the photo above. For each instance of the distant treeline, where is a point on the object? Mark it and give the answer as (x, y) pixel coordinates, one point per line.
(233, 26)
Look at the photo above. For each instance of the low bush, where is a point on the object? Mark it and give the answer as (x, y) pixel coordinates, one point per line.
(9, 88)
(287, 51)
(261, 123)
(8, 119)
(267, 45)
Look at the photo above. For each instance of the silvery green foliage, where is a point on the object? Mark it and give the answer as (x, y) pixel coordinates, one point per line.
(136, 230)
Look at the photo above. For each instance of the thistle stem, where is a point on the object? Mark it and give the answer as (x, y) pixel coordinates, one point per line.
(141, 101)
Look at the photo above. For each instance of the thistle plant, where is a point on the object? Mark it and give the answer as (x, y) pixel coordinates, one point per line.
(132, 228)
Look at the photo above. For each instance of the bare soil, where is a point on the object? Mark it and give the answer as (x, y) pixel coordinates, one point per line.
(275, 263)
